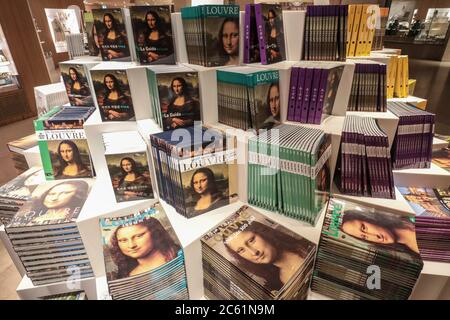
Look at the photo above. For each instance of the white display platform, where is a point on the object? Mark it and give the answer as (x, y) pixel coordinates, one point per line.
(434, 177)
(13, 255)
(27, 291)
(439, 144)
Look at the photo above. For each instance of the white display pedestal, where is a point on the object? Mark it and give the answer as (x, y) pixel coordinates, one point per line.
(434, 177)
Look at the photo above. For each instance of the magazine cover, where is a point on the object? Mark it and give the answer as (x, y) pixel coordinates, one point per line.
(138, 243)
(333, 81)
(113, 95)
(53, 202)
(179, 99)
(441, 158)
(267, 100)
(152, 31)
(274, 32)
(221, 34)
(76, 83)
(111, 34)
(255, 244)
(130, 176)
(21, 187)
(428, 202)
(372, 230)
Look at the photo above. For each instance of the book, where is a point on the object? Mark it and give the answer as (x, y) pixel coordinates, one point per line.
(240, 256)
(269, 25)
(128, 166)
(288, 171)
(143, 257)
(112, 91)
(44, 233)
(153, 36)
(357, 242)
(212, 34)
(91, 33)
(76, 81)
(111, 34)
(62, 143)
(176, 96)
(199, 173)
(251, 42)
(248, 97)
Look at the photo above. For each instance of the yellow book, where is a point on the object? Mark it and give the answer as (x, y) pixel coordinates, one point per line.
(398, 91)
(392, 70)
(405, 76)
(355, 30)
(362, 34)
(411, 86)
(350, 20)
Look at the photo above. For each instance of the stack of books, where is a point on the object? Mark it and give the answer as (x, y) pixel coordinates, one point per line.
(368, 91)
(62, 143)
(75, 45)
(175, 94)
(248, 97)
(325, 34)
(143, 257)
(432, 208)
(264, 34)
(197, 174)
(17, 191)
(49, 96)
(378, 38)
(398, 77)
(79, 295)
(288, 171)
(45, 236)
(212, 34)
(17, 148)
(365, 160)
(413, 143)
(362, 20)
(128, 166)
(241, 259)
(313, 90)
(366, 254)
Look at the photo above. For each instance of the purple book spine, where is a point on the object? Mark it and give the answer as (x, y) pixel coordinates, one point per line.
(292, 93)
(260, 26)
(306, 94)
(247, 28)
(321, 96)
(314, 94)
(300, 91)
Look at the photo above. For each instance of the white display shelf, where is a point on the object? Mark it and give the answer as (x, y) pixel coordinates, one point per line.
(317, 296)
(439, 144)
(27, 291)
(33, 157)
(433, 177)
(436, 268)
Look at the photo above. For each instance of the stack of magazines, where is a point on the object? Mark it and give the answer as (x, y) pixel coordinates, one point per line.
(17, 191)
(79, 295)
(366, 253)
(413, 143)
(312, 91)
(432, 208)
(248, 97)
(126, 157)
(368, 92)
(44, 233)
(288, 171)
(62, 143)
(212, 34)
(364, 160)
(175, 94)
(264, 33)
(325, 33)
(196, 169)
(249, 256)
(143, 257)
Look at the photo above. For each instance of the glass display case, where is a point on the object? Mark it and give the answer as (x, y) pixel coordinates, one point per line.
(8, 73)
(436, 25)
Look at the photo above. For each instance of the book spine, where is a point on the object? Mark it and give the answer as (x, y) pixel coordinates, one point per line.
(321, 96)
(247, 29)
(307, 94)
(261, 32)
(300, 91)
(293, 93)
(314, 94)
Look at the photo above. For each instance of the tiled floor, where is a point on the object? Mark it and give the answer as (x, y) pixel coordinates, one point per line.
(9, 277)
(433, 83)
